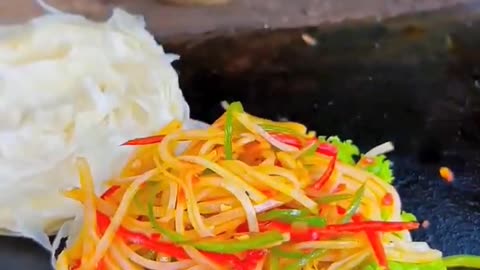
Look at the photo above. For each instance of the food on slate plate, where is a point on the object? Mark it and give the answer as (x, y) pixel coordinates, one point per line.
(246, 193)
(71, 87)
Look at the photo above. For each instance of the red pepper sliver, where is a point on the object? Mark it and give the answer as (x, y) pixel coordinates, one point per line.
(144, 141)
(324, 148)
(387, 200)
(357, 218)
(76, 265)
(102, 265)
(341, 187)
(287, 139)
(143, 240)
(253, 258)
(109, 192)
(377, 248)
(327, 149)
(379, 226)
(326, 175)
(269, 193)
(298, 235)
(340, 210)
(224, 259)
(311, 234)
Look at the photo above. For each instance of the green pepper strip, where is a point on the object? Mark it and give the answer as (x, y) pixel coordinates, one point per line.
(312, 222)
(466, 261)
(279, 129)
(228, 147)
(333, 198)
(306, 259)
(273, 263)
(294, 216)
(171, 235)
(280, 214)
(352, 209)
(254, 242)
(311, 150)
(279, 252)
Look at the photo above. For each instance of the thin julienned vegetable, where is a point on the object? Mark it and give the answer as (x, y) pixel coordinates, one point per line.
(326, 175)
(249, 194)
(281, 253)
(294, 217)
(170, 235)
(333, 198)
(377, 248)
(352, 209)
(306, 259)
(253, 242)
(465, 261)
(145, 141)
(234, 108)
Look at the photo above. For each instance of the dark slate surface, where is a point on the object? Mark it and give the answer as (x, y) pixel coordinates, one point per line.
(412, 80)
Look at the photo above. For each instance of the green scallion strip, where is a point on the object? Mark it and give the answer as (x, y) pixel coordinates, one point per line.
(352, 209)
(307, 259)
(333, 198)
(282, 214)
(171, 235)
(273, 262)
(280, 253)
(235, 107)
(270, 128)
(310, 150)
(464, 261)
(254, 242)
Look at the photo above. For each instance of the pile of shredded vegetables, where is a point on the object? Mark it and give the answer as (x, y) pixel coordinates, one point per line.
(248, 194)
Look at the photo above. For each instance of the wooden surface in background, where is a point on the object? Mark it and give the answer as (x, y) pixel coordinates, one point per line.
(168, 20)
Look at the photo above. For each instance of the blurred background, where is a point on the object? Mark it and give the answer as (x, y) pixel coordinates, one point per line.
(181, 17)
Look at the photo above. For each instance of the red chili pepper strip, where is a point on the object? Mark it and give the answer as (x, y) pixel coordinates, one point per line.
(102, 265)
(378, 226)
(144, 141)
(171, 249)
(287, 139)
(109, 192)
(222, 259)
(299, 235)
(377, 248)
(387, 200)
(327, 149)
(324, 148)
(340, 188)
(314, 234)
(140, 239)
(357, 218)
(76, 265)
(253, 258)
(326, 175)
